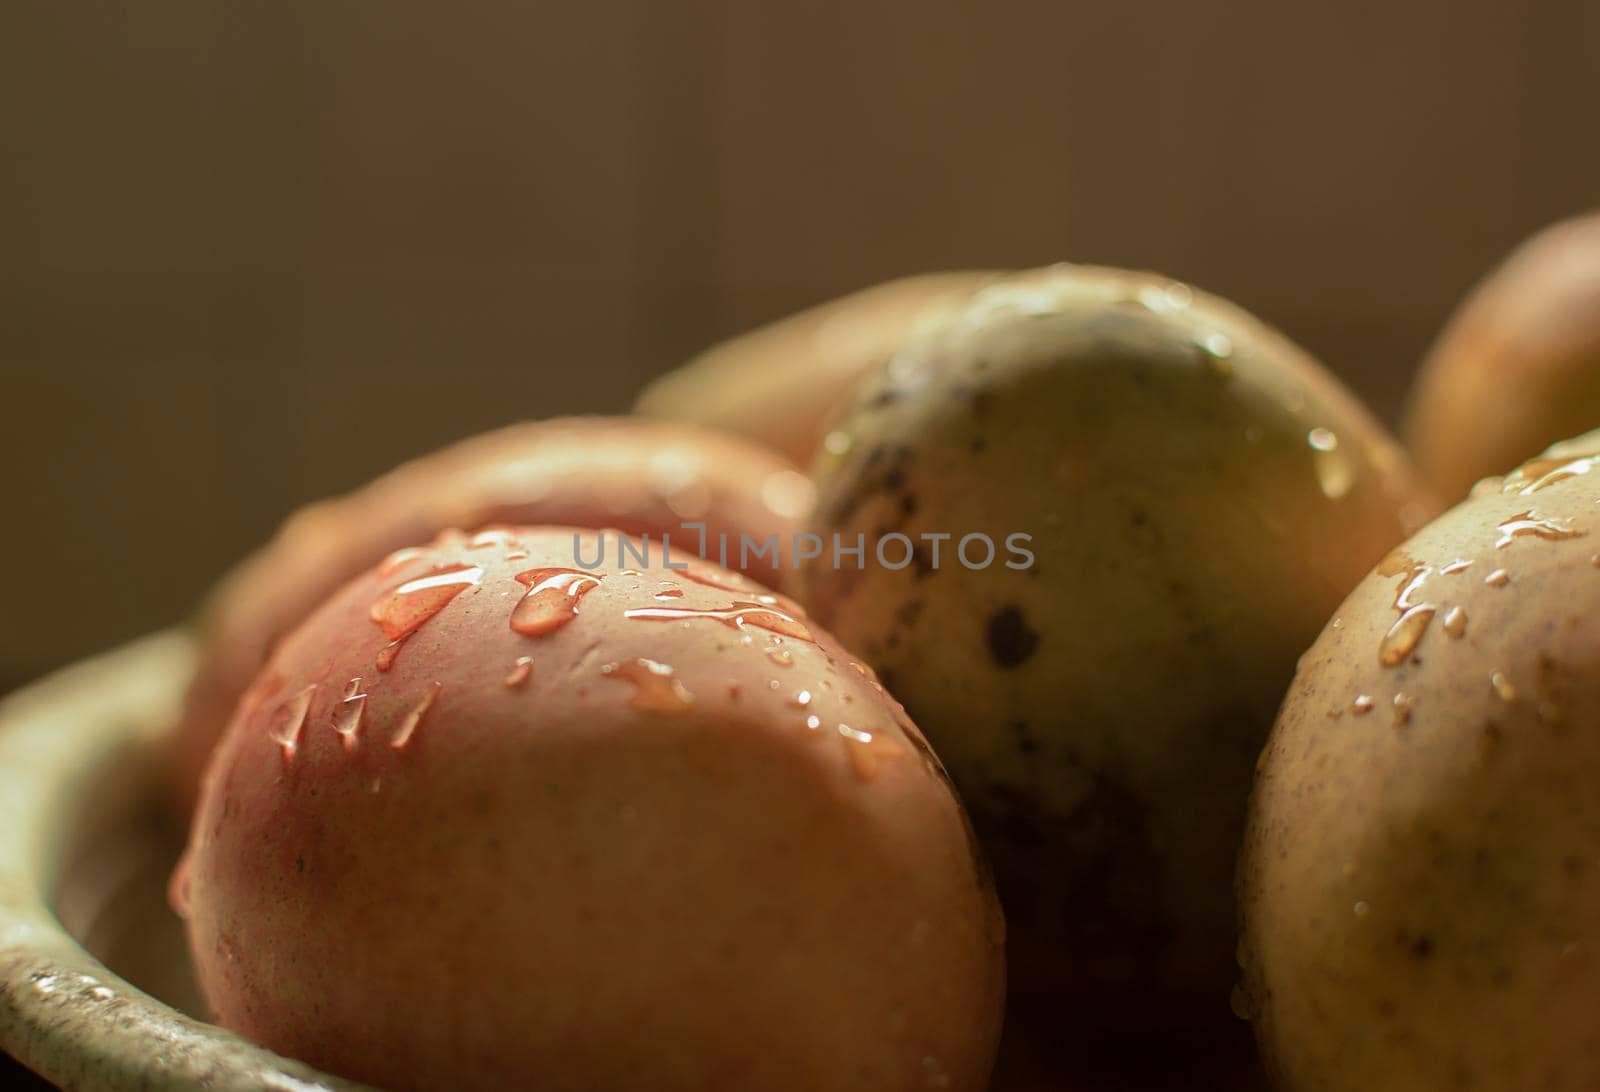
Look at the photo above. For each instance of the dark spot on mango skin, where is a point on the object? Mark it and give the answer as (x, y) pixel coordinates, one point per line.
(1418, 946)
(1010, 639)
(908, 612)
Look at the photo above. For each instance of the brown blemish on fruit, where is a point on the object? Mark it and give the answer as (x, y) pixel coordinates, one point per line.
(1010, 639)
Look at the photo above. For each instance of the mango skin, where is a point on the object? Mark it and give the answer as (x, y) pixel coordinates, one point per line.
(1101, 709)
(550, 885)
(1517, 367)
(642, 477)
(779, 384)
(1419, 889)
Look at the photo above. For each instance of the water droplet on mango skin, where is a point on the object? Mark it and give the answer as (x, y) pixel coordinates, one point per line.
(1531, 523)
(408, 727)
(1455, 621)
(519, 672)
(1402, 704)
(348, 716)
(726, 580)
(656, 688)
(493, 536)
(401, 611)
(867, 751)
(400, 558)
(1403, 636)
(1537, 475)
(739, 614)
(552, 599)
(289, 719)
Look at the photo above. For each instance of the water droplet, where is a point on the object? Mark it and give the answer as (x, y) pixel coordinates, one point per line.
(1403, 704)
(737, 615)
(656, 688)
(1531, 523)
(836, 443)
(1361, 909)
(1164, 299)
(1362, 704)
(407, 607)
(289, 719)
(101, 993)
(1497, 579)
(1537, 475)
(388, 652)
(552, 599)
(408, 726)
(492, 536)
(1403, 636)
(347, 717)
(866, 751)
(778, 654)
(702, 572)
(519, 672)
(1502, 686)
(1455, 621)
(516, 555)
(1216, 350)
(801, 699)
(401, 558)
(1335, 473)
(813, 722)
(1457, 566)
(669, 591)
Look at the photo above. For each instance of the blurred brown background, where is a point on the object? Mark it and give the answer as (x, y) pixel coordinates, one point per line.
(254, 252)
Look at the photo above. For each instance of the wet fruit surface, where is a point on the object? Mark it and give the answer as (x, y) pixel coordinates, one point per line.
(1194, 495)
(1415, 889)
(612, 803)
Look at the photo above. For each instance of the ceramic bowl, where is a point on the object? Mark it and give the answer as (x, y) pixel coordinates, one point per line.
(96, 990)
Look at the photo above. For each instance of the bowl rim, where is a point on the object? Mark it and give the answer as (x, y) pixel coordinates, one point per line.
(63, 1013)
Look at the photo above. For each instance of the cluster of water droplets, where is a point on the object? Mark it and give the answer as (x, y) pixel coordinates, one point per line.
(1416, 613)
(552, 600)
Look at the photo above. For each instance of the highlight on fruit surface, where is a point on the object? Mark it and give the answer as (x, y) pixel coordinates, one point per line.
(778, 384)
(1418, 885)
(1195, 494)
(643, 477)
(1518, 365)
(495, 817)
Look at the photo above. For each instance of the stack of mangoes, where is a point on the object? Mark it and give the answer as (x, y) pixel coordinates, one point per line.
(1047, 678)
